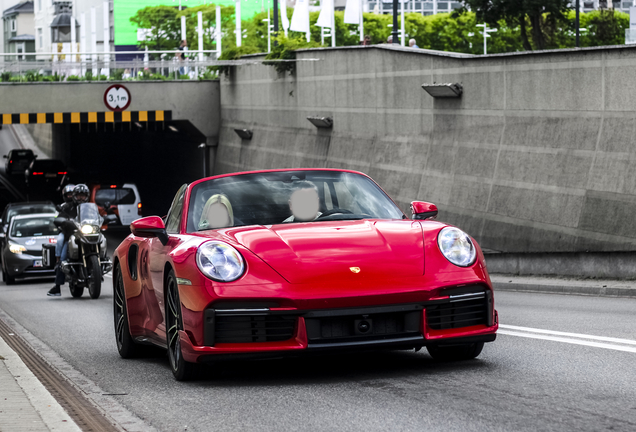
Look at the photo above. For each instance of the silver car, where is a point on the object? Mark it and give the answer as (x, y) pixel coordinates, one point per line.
(22, 250)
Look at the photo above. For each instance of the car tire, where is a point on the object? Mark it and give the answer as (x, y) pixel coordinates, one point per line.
(455, 353)
(95, 282)
(8, 279)
(181, 369)
(76, 291)
(126, 345)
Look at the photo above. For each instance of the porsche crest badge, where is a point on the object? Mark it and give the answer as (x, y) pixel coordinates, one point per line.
(355, 269)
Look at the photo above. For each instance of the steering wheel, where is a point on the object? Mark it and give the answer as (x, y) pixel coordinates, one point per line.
(334, 211)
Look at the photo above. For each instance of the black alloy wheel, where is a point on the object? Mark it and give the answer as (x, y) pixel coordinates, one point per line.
(95, 277)
(181, 369)
(455, 353)
(125, 344)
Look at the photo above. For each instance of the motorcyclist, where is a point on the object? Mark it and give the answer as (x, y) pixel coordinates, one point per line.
(68, 210)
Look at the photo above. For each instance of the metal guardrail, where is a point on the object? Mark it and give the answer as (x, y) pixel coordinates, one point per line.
(66, 66)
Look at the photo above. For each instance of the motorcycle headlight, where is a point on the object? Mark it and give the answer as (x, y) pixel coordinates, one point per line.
(456, 246)
(220, 261)
(89, 229)
(16, 248)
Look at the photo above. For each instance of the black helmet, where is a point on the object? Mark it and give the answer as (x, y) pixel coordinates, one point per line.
(80, 194)
(67, 193)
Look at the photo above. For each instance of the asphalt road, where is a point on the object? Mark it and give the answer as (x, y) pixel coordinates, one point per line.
(518, 383)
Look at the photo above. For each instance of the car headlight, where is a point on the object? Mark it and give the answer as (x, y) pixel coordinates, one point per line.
(16, 248)
(89, 229)
(220, 261)
(456, 246)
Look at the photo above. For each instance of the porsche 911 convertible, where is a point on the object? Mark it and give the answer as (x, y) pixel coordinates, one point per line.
(293, 262)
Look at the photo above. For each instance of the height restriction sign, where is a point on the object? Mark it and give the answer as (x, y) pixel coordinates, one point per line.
(117, 97)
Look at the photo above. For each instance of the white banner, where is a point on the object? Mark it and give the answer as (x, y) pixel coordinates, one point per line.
(352, 12)
(325, 19)
(300, 18)
(283, 15)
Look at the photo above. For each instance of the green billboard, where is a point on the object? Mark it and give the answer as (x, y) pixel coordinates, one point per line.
(123, 10)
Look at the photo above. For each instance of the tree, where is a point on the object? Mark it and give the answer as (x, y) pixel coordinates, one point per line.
(533, 16)
(209, 26)
(162, 26)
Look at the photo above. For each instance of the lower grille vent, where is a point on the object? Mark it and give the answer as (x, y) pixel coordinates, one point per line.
(255, 328)
(457, 314)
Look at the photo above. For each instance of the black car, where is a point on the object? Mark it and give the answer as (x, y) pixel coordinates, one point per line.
(18, 160)
(44, 178)
(22, 208)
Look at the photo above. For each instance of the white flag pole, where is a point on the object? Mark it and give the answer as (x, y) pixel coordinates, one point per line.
(106, 23)
(83, 47)
(218, 32)
(333, 24)
(200, 30)
(403, 34)
(361, 21)
(238, 23)
(94, 40)
(73, 38)
(183, 27)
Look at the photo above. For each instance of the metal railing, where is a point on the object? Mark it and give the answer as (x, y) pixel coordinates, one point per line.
(94, 66)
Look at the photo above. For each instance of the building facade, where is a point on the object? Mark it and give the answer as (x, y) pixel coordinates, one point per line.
(93, 21)
(18, 29)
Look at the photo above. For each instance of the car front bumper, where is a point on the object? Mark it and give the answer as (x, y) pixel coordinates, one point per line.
(274, 332)
(22, 266)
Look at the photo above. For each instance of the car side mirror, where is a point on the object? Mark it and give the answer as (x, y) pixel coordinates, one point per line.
(423, 210)
(5, 156)
(151, 226)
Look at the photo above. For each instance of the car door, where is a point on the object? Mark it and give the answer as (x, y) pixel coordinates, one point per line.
(158, 254)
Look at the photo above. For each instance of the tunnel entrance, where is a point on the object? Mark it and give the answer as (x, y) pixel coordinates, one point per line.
(157, 156)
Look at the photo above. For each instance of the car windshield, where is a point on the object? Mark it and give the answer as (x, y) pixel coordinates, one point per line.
(287, 197)
(34, 227)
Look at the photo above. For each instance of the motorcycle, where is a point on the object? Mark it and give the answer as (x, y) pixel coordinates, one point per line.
(87, 261)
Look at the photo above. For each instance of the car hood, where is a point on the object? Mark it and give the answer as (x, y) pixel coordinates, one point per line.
(345, 250)
(33, 244)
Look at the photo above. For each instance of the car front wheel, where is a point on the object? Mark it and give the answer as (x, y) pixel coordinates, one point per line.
(181, 369)
(455, 353)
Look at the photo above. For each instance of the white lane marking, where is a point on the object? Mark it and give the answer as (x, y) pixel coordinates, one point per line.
(570, 341)
(574, 335)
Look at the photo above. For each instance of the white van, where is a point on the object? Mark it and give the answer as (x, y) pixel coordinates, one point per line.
(124, 198)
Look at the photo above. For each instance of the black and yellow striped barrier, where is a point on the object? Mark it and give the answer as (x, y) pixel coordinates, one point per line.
(86, 117)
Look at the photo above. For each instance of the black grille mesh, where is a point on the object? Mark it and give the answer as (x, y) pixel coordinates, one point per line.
(254, 328)
(457, 314)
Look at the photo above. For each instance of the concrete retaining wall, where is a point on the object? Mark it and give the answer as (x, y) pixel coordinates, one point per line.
(537, 156)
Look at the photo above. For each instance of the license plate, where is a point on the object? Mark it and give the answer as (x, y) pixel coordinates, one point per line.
(50, 175)
(37, 263)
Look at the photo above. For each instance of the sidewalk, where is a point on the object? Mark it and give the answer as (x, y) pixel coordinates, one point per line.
(25, 405)
(554, 285)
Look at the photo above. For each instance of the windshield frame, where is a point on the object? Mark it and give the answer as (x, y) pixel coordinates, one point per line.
(187, 226)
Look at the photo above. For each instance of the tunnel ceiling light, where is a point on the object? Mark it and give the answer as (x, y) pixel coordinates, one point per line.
(447, 90)
(244, 133)
(173, 129)
(321, 122)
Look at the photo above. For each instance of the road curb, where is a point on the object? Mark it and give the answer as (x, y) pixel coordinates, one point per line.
(571, 288)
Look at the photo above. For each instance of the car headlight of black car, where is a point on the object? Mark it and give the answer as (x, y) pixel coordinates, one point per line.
(220, 261)
(456, 246)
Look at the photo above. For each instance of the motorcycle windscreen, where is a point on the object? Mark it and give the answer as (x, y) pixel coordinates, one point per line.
(88, 214)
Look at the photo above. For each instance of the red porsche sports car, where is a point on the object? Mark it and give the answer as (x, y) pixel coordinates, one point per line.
(268, 263)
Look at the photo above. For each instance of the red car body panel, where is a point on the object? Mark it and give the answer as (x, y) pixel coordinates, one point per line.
(296, 268)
